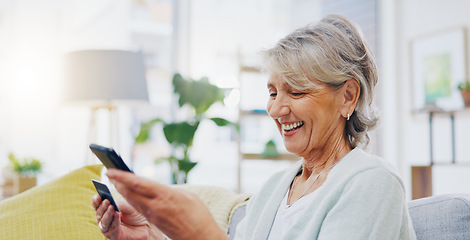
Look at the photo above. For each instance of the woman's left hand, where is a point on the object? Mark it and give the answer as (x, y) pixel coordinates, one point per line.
(177, 213)
(126, 224)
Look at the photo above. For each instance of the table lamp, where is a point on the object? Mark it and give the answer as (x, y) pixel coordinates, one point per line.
(104, 79)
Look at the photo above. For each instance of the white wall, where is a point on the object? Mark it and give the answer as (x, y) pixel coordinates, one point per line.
(34, 33)
(417, 18)
(34, 36)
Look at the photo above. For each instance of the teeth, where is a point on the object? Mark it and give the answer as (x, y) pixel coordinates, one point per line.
(290, 127)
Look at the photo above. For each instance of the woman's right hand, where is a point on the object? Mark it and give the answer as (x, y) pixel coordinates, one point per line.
(126, 224)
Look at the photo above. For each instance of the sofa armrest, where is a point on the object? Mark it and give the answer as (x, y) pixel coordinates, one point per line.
(441, 217)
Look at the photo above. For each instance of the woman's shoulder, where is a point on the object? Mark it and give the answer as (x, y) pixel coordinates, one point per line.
(359, 160)
(358, 164)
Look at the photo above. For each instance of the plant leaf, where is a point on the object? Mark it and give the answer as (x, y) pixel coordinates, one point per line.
(145, 128)
(180, 133)
(25, 166)
(186, 165)
(221, 122)
(201, 94)
(162, 160)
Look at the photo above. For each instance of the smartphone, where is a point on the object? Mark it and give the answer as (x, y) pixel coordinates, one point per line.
(109, 157)
(104, 193)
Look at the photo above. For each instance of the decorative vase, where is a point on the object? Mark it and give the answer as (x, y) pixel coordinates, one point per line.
(14, 183)
(466, 97)
(25, 183)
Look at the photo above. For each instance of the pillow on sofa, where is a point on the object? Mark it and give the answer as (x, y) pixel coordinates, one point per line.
(222, 203)
(60, 209)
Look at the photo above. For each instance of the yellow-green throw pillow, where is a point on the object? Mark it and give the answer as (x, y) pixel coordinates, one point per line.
(60, 209)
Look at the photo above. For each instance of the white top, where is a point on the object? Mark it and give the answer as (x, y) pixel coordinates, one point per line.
(362, 198)
(287, 215)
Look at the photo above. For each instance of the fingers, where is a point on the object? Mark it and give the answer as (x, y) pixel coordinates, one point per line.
(126, 208)
(136, 200)
(115, 224)
(101, 210)
(107, 219)
(106, 216)
(137, 184)
(96, 201)
(139, 192)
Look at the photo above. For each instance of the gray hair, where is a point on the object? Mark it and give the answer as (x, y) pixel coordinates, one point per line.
(331, 51)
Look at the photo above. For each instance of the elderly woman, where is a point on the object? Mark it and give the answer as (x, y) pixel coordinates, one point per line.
(321, 88)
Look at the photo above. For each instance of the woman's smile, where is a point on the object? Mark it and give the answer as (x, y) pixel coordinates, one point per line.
(289, 129)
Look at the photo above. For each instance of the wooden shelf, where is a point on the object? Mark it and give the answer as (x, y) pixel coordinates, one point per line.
(437, 110)
(249, 69)
(282, 156)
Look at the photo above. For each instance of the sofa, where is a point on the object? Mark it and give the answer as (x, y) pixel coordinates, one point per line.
(61, 209)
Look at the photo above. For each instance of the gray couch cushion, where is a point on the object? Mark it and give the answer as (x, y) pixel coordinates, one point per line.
(441, 217)
(236, 217)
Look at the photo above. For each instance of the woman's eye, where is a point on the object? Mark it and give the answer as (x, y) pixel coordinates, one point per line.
(272, 94)
(297, 94)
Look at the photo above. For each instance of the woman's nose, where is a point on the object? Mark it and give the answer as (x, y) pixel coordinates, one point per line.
(277, 108)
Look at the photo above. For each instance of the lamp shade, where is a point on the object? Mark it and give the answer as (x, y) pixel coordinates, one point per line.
(103, 77)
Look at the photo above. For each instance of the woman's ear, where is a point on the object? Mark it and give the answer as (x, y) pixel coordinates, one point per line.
(350, 95)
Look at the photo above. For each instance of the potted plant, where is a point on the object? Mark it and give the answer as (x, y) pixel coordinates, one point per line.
(464, 88)
(199, 96)
(21, 175)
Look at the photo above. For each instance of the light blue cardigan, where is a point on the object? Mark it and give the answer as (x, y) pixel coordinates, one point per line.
(362, 198)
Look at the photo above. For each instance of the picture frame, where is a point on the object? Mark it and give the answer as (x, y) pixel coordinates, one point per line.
(439, 63)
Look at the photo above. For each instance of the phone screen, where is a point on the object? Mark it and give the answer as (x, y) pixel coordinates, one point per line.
(109, 157)
(104, 193)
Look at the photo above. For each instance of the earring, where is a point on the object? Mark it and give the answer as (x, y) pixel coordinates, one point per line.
(348, 117)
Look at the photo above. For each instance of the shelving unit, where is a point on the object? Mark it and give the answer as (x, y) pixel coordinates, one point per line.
(422, 175)
(256, 127)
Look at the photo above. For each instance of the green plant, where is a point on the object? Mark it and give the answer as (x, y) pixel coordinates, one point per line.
(25, 167)
(199, 96)
(464, 86)
(270, 150)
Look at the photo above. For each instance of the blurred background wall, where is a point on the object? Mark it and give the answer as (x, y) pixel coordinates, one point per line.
(209, 38)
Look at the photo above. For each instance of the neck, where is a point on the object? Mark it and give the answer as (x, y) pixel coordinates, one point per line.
(323, 158)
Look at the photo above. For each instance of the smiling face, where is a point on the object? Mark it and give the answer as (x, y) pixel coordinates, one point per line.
(308, 120)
